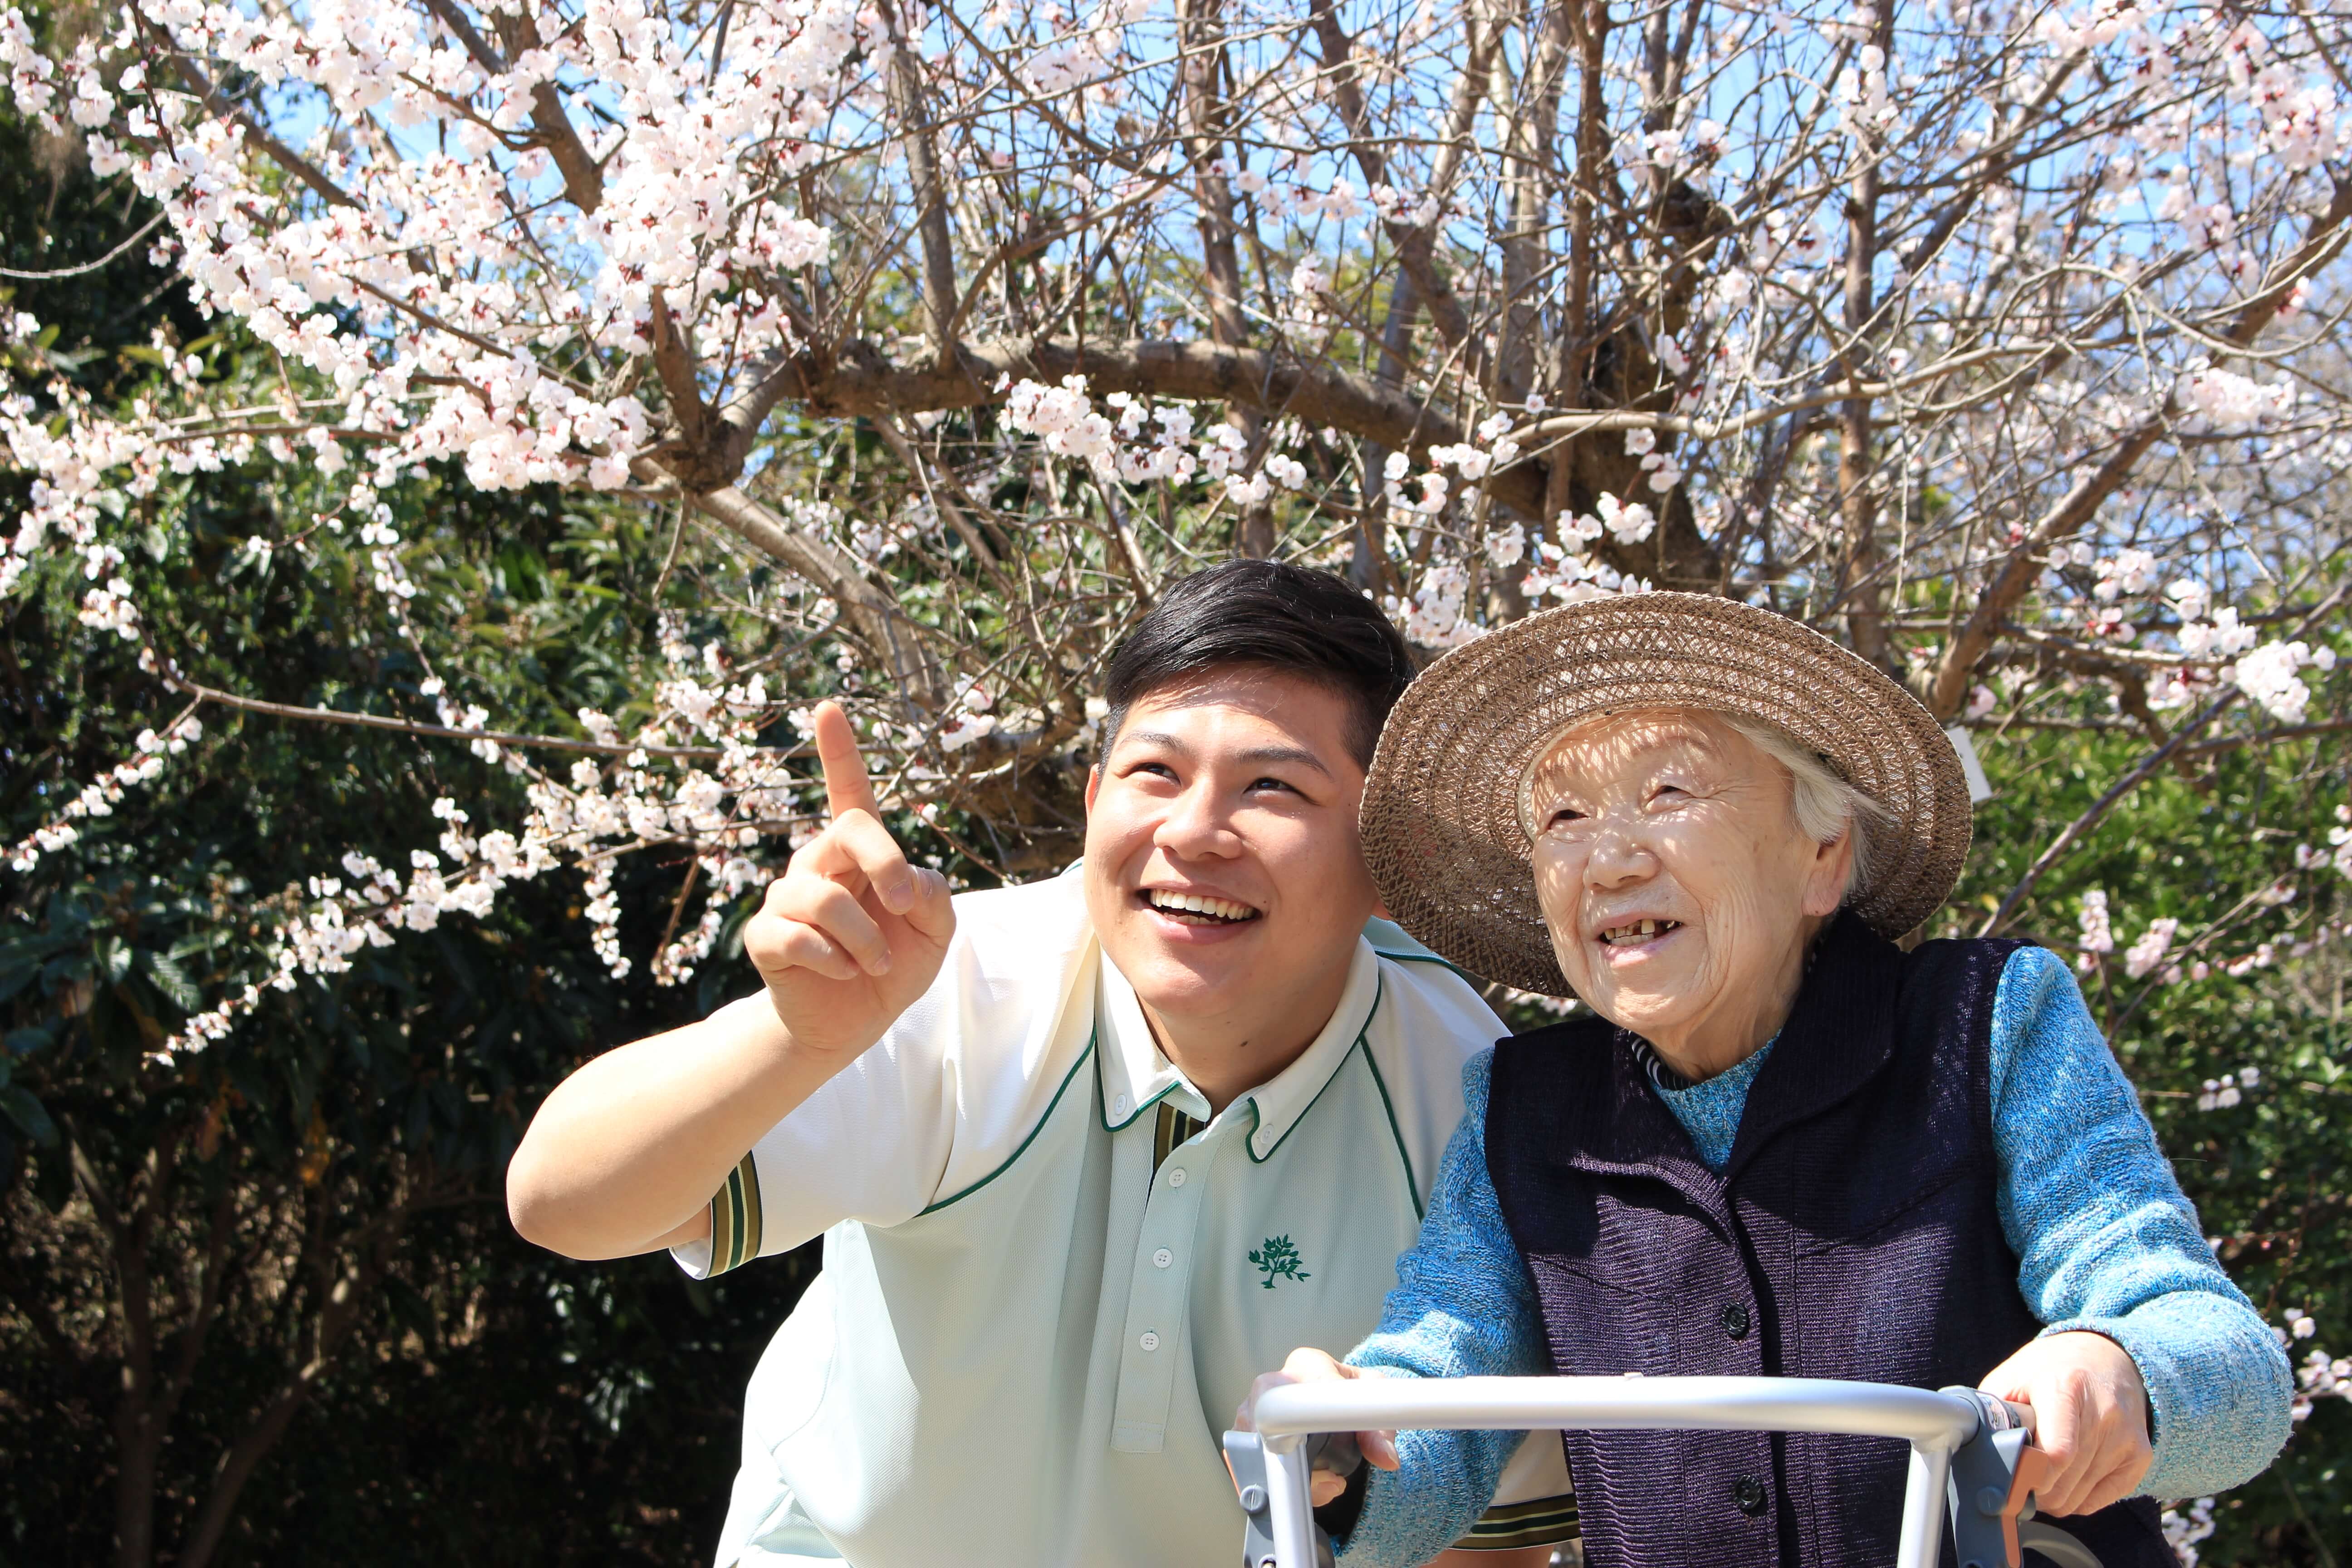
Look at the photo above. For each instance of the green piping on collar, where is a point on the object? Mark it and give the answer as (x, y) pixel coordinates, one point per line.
(1380, 991)
(1050, 1107)
(1396, 1133)
(1102, 1102)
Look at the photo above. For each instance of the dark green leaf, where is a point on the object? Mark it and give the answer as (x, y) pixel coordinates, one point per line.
(29, 1115)
(172, 979)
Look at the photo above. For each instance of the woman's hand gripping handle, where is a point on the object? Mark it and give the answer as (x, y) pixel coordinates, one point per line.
(1335, 1461)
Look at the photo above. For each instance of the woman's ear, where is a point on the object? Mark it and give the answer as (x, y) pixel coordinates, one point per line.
(1831, 875)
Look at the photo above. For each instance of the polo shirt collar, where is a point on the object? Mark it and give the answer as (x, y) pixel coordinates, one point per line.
(1137, 1076)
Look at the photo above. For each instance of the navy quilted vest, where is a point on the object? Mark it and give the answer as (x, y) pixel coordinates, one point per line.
(1852, 1234)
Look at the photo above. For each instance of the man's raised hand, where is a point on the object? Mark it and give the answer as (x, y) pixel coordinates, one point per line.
(850, 934)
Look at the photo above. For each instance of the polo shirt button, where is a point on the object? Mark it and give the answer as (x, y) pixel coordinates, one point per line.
(1176, 1177)
(1150, 1341)
(1749, 1495)
(1162, 1258)
(1119, 1106)
(1735, 1320)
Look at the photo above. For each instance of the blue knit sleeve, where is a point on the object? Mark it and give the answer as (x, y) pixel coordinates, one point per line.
(2106, 1240)
(1461, 1307)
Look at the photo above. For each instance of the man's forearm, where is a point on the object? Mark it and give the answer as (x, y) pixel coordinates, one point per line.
(629, 1150)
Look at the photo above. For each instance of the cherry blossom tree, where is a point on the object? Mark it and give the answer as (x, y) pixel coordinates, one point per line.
(1999, 338)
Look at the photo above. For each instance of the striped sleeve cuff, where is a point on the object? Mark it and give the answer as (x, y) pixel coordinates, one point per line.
(735, 1219)
(1507, 1527)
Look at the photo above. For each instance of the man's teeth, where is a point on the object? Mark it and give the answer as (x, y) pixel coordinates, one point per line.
(1637, 931)
(1198, 904)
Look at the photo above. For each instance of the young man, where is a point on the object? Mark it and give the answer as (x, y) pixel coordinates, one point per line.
(1088, 1154)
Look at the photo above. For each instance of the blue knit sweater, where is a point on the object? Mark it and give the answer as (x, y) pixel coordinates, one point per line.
(2104, 1237)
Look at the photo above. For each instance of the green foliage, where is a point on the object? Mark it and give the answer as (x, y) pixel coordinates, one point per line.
(546, 1408)
(325, 1185)
(2267, 1174)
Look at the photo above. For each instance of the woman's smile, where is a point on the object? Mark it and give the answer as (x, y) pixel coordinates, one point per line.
(1636, 944)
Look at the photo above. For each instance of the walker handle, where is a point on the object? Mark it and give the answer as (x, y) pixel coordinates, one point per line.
(1994, 1478)
(1997, 1415)
(1981, 1445)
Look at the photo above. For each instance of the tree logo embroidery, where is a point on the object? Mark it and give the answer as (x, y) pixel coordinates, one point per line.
(1278, 1260)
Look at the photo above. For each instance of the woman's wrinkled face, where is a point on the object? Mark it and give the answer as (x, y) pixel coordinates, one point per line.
(1680, 892)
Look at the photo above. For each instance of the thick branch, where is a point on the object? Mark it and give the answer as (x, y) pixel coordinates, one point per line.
(1529, 110)
(908, 103)
(674, 362)
(862, 381)
(1865, 591)
(1589, 19)
(1205, 124)
(875, 615)
(584, 180)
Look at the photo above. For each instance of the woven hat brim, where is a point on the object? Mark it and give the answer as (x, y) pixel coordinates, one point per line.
(1441, 817)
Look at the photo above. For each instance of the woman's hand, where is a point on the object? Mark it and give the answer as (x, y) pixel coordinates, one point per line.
(1310, 1365)
(2090, 1415)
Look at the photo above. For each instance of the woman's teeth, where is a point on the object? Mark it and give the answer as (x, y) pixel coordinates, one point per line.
(1198, 905)
(1635, 931)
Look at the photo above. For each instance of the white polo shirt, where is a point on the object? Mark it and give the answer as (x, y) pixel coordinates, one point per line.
(1050, 1277)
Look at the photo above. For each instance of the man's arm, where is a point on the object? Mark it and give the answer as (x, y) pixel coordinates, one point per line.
(624, 1155)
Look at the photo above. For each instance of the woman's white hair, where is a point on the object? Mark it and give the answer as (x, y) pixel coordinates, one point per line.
(1827, 807)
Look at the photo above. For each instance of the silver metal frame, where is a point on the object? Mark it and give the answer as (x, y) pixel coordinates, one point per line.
(1933, 1423)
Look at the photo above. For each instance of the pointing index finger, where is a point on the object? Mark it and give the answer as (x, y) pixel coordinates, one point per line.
(846, 787)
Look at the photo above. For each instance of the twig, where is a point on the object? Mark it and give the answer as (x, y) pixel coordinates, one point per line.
(2290, 732)
(678, 905)
(677, 536)
(2073, 831)
(448, 732)
(87, 266)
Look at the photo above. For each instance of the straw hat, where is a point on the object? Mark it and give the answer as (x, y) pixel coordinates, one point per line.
(1446, 808)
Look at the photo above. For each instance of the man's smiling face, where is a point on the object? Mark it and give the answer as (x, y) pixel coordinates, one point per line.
(1223, 872)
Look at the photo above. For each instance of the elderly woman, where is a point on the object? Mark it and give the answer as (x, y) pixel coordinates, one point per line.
(1782, 1145)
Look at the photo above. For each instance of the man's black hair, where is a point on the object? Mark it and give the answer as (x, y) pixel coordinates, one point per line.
(1272, 615)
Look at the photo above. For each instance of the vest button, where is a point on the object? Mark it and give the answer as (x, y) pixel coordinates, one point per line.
(1735, 1320)
(1750, 1496)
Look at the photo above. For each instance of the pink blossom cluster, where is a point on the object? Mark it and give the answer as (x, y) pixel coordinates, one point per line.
(103, 794)
(2183, 1532)
(2269, 677)
(1568, 573)
(540, 240)
(1437, 614)
(2097, 934)
(2222, 1093)
(587, 817)
(429, 285)
(2319, 1376)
